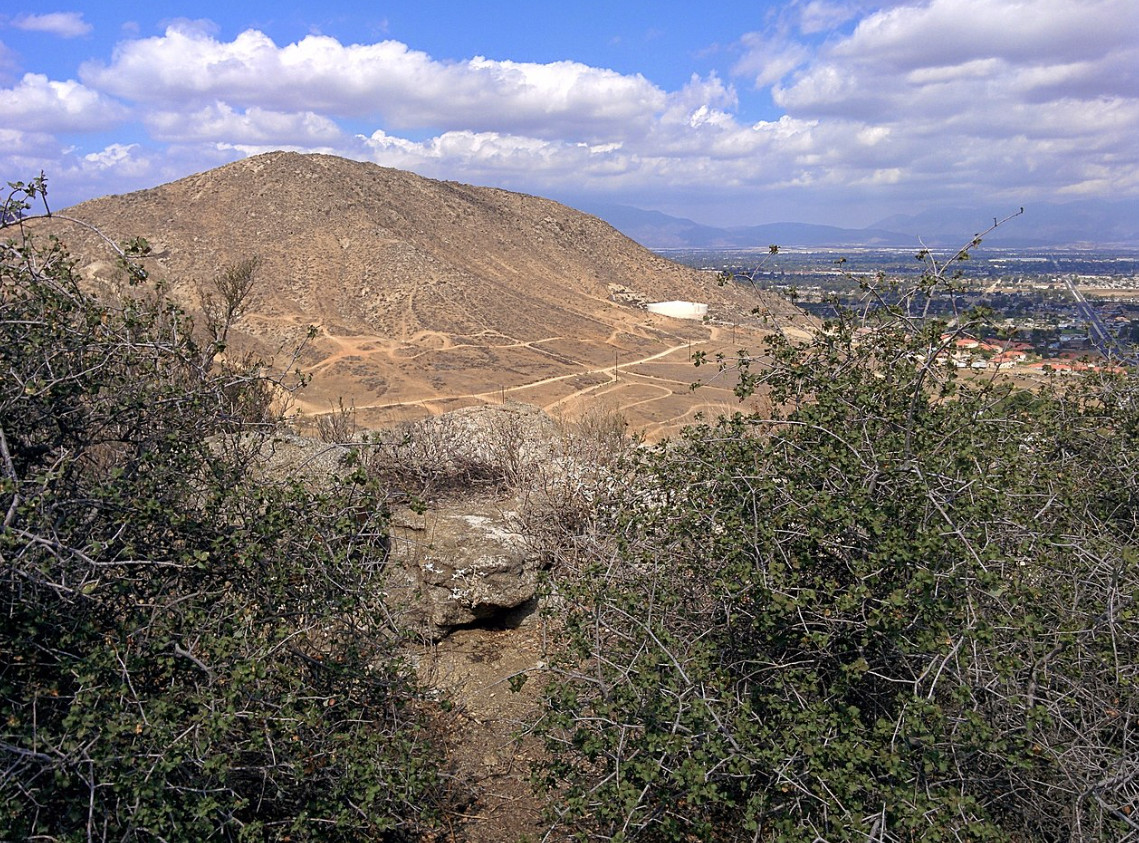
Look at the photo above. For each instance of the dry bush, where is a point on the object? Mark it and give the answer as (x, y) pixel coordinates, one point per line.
(511, 440)
(558, 495)
(554, 467)
(441, 455)
(338, 426)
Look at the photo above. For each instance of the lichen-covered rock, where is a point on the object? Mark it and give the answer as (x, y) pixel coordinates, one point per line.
(463, 562)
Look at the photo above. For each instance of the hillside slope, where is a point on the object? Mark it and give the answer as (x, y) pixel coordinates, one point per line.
(429, 295)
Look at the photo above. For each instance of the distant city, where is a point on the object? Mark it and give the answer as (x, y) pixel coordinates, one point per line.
(1053, 309)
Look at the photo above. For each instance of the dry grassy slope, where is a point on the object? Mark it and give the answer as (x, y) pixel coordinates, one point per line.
(426, 293)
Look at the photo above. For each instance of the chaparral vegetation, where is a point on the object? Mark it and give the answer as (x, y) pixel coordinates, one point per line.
(894, 601)
(898, 606)
(190, 649)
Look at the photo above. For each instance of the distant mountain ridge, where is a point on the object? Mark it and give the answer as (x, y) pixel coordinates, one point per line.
(1082, 223)
(1087, 222)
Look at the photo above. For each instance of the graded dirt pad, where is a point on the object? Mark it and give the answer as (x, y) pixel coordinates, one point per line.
(642, 367)
(425, 295)
(644, 371)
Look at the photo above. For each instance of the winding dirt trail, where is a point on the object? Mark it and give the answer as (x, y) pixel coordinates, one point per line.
(615, 369)
(655, 400)
(491, 394)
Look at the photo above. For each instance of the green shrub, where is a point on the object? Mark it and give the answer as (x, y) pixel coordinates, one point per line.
(900, 608)
(185, 654)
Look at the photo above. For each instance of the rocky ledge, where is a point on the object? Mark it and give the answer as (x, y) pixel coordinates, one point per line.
(461, 563)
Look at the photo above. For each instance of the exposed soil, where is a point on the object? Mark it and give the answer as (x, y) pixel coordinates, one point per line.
(428, 296)
(474, 668)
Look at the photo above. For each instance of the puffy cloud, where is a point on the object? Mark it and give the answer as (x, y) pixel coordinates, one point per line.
(902, 102)
(729, 155)
(507, 159)
(39, 104)
(1038, 95)
(122, 158)
(769, 60)
(388, 81)
(907, 59)
(63, 24)
(947, 32)
(74, 175)
(221, 123)
(702, 108)
(702, 93)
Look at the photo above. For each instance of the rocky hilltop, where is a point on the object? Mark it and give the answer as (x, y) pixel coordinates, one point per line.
(430, 295)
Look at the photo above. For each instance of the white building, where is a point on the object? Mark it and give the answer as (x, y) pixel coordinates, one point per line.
(679, 309)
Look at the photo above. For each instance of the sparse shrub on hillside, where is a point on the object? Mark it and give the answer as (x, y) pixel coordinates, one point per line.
(600, 435)
(511, 450)
(511, 441)
(431, 457)
(551, 470)
(338, 426)
(185, 654)
(560, 488)
(226, 300)
(900, 608)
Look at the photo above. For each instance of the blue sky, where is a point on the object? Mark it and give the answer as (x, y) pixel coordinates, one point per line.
(825, 111)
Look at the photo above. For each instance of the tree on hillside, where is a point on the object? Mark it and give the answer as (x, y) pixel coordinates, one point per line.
(190, 648)
(900, 607)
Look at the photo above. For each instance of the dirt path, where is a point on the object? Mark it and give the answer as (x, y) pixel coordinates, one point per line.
(473, 668)
(428, 390)
(492, 394)
(616, 370)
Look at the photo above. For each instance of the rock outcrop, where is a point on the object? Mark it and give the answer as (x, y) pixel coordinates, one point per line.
(461, 563)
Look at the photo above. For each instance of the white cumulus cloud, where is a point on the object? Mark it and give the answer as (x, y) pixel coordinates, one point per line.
(63, 24)
(224, 124)
(116, 156)
(37, 103)
(1040, 94)
(387, 81)
(500, 157)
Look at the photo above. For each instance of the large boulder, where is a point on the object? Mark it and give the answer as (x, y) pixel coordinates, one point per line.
(461, 562)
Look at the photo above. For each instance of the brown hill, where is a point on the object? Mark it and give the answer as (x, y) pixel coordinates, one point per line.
(431, 295)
